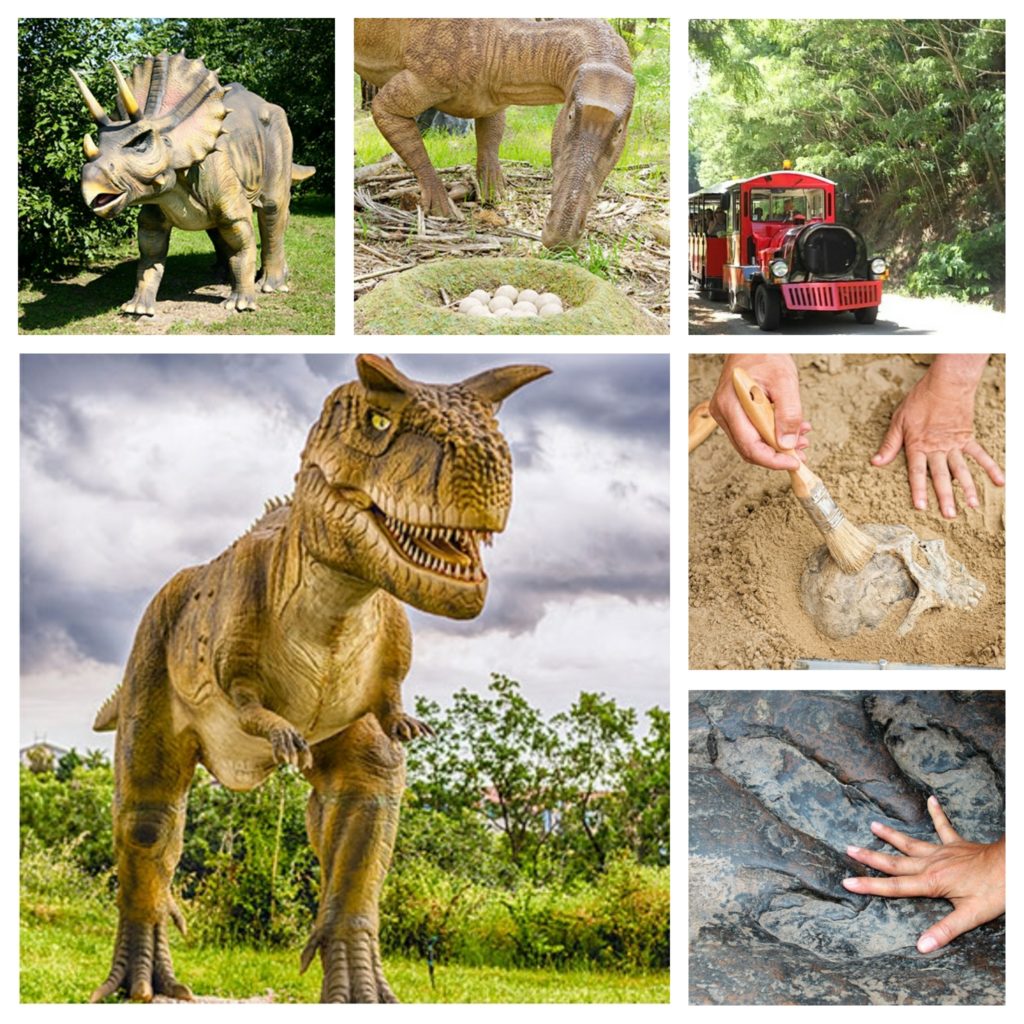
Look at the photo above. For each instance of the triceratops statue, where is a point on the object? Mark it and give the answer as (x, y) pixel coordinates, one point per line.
(199, 156)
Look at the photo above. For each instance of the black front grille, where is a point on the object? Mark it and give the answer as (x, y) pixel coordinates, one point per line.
(830, 250)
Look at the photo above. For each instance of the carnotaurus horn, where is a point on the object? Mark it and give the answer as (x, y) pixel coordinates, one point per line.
(91, 149)
(380, 374)
(497, 384)
(99, 115)
(128, 100)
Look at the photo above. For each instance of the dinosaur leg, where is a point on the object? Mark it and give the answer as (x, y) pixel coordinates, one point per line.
(273, 220)
(394, 110)
(240, 241)
(488, 170)
(352, 819)
(223, 265)
(153, 768)
(154, 238)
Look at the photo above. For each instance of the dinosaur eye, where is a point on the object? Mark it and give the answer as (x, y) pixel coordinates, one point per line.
(379, 421)
(140, 141)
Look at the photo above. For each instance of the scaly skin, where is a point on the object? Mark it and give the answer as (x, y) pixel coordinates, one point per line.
(290, 648)
(198, 156)
(476, 67)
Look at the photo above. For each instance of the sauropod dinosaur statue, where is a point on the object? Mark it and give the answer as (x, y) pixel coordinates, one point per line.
(290, 648)
(475, 68)
(198, 156)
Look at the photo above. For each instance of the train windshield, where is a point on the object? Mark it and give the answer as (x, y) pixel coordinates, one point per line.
(782, 204)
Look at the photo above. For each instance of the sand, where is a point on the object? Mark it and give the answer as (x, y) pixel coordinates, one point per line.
(749, 539)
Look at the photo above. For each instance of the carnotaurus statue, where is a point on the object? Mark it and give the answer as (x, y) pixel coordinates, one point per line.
(291, 646)
(199, 156)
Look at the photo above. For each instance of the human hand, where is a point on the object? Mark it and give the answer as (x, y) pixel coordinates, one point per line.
(935, 423)
(777, 374)
(972, 876)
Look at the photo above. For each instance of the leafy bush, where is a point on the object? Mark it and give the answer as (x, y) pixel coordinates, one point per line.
(971, 267)
(56, 813)
(247, 871)
(52, 877)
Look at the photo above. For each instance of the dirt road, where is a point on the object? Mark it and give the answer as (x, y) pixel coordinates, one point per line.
(897, 315)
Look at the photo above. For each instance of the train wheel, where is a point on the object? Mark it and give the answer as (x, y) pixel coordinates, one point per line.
(767, 308)
(867, 315)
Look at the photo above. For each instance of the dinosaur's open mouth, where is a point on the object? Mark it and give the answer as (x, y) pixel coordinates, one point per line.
(449, 551)
(107, 203)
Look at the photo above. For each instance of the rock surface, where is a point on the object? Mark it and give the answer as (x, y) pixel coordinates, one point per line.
(780, 783)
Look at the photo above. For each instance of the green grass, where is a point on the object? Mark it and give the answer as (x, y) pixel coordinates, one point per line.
(66, 944)
(89, 303)
(528, 129)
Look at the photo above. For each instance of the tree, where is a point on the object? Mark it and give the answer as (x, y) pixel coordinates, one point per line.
(644, 806)
(598, 738)
(498, 755)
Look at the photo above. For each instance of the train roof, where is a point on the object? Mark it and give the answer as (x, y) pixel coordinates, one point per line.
(723, 186)
(792, 173)
(713, 190)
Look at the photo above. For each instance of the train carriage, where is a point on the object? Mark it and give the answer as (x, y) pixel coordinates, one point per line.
(784, 254)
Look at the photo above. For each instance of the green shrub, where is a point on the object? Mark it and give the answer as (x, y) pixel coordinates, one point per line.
(970, 268)
(52, 877)
(76, 812)
(247, 871)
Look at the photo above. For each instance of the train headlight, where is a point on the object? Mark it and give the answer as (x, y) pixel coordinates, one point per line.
(878, 266)
(779, 268)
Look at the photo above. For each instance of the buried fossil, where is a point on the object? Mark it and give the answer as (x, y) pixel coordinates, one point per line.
(903, 567)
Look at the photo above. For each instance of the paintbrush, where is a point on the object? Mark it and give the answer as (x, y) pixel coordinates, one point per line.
(850, 548)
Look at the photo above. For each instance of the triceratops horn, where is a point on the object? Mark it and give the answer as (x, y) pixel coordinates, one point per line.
(91, 149)
(99, 115)
(497, 384)
(128, 100)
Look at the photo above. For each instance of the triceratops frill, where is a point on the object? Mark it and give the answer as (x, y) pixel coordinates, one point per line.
(199, 156)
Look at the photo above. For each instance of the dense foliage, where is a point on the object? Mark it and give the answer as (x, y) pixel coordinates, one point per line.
(908, 116)
(289, 61)
(524, 841)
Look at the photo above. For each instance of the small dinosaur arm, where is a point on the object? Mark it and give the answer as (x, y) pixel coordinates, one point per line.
(198, 156)
(476, 67)
(291, 646)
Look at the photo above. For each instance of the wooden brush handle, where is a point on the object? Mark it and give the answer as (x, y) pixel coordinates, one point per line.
(701, 424)
(761, 413)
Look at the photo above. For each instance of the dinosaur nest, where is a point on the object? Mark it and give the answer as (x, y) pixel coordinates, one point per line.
(424, 300)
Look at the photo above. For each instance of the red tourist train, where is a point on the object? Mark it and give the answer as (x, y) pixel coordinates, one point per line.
(771, 247)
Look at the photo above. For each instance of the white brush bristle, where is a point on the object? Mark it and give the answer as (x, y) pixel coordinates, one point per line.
(851, 549)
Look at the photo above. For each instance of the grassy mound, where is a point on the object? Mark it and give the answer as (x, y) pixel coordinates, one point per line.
(411, 302)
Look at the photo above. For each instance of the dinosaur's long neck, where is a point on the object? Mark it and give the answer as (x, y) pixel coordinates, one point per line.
(535, 63)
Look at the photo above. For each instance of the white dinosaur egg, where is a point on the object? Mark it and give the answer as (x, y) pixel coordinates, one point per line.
(521, 313)
(481, 296)
(548, 297)
(504, 311)
(479, 310)
(525, 307)
(528, 295)
(508, 290)
(499, 302)
(550, 309)
(467, 304)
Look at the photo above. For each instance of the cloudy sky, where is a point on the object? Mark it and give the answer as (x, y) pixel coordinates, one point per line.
(133, 467)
